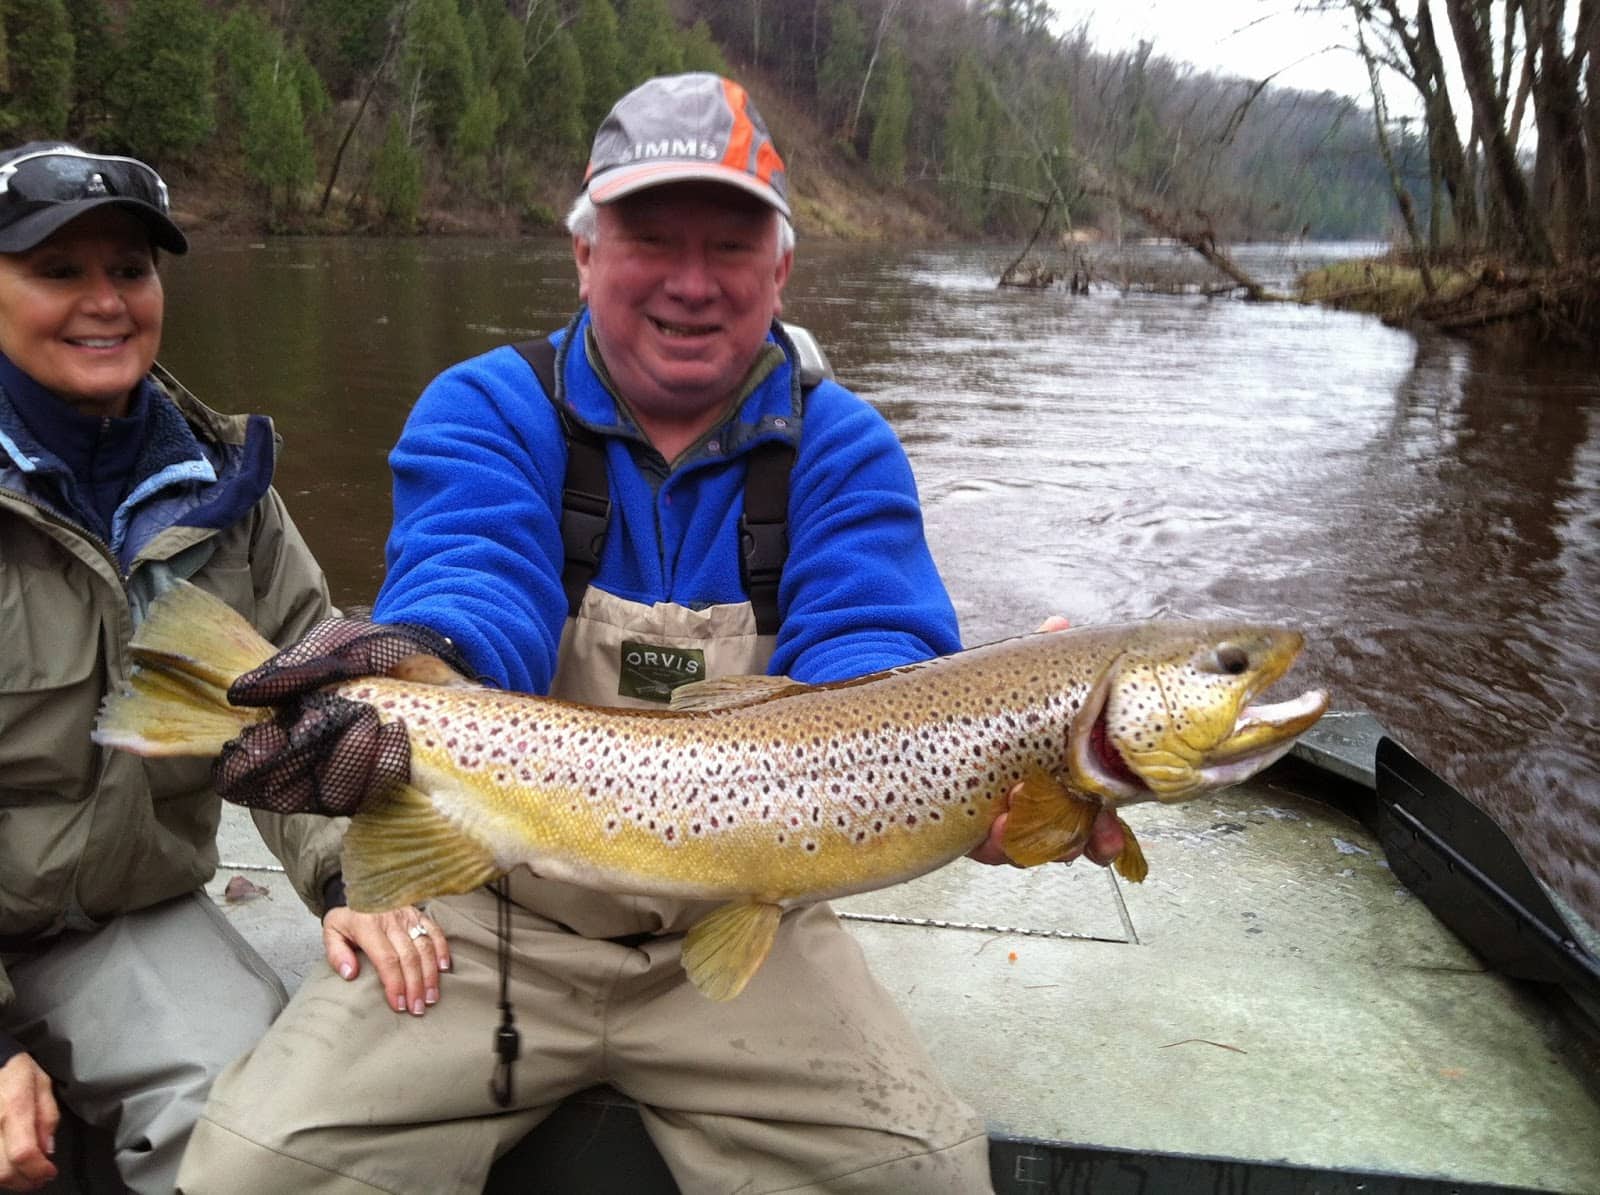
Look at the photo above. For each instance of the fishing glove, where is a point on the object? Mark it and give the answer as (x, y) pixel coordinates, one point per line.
(322, 753)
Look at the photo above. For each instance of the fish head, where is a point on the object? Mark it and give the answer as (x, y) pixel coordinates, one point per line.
(1175, 713)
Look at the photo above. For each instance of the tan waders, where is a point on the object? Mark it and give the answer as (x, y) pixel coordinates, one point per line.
(811, 1080)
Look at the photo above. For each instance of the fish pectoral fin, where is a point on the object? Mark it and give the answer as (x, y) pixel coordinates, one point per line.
(1046, 820)
(402, 850)
(731, 692)
(1130, 864)
(724, 948)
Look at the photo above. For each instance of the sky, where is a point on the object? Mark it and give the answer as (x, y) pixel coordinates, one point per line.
(1248, 38)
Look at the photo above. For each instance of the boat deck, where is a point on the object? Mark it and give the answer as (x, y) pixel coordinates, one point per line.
(1271, 1000)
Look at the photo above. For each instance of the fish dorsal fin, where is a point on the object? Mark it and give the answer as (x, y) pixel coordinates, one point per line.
(731, 692)
(402, 850)
(724, 948)
(423, 669)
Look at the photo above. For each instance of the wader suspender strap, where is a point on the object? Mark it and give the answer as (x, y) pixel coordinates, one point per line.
(585, 496)
(586, 505)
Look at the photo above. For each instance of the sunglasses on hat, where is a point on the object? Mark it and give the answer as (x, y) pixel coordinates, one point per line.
(64, 175)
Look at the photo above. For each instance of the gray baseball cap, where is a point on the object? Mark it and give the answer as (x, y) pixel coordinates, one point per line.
(685, 128)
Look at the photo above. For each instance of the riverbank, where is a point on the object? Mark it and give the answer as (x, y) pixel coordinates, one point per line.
(1471, 297)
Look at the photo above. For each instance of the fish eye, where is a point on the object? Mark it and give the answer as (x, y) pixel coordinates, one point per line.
(1232, 659)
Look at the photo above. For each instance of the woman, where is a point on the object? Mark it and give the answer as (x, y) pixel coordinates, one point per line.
(122, 988)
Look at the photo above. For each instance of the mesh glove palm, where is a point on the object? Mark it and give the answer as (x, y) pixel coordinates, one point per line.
(322, 753)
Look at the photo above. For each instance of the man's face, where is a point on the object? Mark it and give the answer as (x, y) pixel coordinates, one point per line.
(682, 282)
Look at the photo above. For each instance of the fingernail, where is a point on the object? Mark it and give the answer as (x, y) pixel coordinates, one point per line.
(444, 964)
(347, 970)
(400, 1004)
(50, 1145)
(432, 995)
(417, 1008)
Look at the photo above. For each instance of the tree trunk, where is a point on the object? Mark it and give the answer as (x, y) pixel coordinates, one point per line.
(344, 142)
(1506, 185)
(1557, 108)
(1447, 157)
(1408, 208)
(1587, 50)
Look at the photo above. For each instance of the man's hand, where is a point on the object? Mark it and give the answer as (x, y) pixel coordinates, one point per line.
(322, 753)
(1106, 838)
(28, 1119)
(405, 945)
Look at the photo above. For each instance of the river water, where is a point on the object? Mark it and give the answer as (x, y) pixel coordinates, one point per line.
(1428, 512)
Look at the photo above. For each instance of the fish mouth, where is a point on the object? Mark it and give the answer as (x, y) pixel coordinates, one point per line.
(1262, 733)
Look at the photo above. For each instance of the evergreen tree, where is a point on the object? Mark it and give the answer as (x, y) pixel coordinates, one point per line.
(438, 68)
(475, 137)
(604, 81)
(891, 118)
(247, 44)
(164, 102)
(700, 51)
(36, 88)
(555, 91)
(506, 72)
(277, 149)
(839, 77)
(649, 41)
(94, 64)
(397, 178)
(964, 142)
(346, 38)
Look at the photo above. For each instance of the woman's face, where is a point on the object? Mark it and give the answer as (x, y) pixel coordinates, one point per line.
(81, 312)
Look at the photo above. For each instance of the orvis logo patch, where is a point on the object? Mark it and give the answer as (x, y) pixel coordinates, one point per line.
(651, 672)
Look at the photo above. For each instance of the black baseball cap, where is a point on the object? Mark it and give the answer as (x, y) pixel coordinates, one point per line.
(46, 184)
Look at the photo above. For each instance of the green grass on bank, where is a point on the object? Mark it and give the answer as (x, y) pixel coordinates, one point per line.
(1385, 287)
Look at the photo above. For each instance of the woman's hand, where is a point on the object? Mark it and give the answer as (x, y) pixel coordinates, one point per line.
(28, 1119)
(405, 945)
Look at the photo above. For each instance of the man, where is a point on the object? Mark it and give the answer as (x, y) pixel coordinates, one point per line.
(675, 383)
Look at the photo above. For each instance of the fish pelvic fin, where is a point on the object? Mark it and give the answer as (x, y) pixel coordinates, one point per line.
(1046, 820)
(186, 652)
(725, 948)
(402, 850)
(1130, 864)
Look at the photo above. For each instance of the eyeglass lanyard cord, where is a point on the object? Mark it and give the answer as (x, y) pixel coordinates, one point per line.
(507, 1041)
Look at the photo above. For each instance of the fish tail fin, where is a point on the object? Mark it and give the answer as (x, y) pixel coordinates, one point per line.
(1046, 820)
(401, 850)
(724, 949)
(188, 650)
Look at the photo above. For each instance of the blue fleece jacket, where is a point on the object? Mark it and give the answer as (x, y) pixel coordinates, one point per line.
(475, 551)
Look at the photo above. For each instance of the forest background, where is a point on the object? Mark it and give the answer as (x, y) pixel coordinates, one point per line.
(920, 119)
(898, 118)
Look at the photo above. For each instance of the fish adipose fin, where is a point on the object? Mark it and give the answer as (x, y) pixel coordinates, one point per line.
(724, 948)
(188, 651)
(402, 850)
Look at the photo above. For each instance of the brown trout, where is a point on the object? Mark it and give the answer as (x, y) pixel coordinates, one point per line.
(759, 792)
